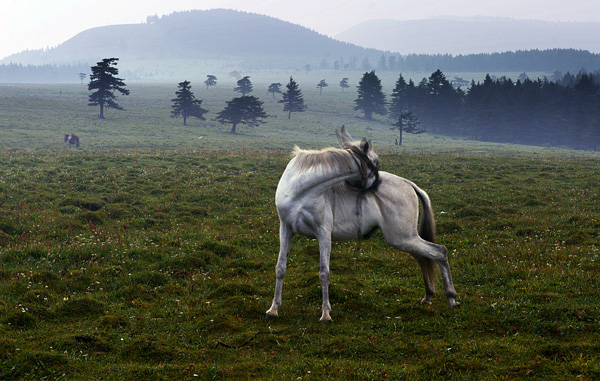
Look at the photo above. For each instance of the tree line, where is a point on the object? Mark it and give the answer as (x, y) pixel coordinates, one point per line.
(18, 73)
(548, 60)
(520, 61)
(563, 112)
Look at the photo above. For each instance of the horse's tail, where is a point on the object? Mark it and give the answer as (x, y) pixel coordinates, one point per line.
(427, 232)
(427, 225)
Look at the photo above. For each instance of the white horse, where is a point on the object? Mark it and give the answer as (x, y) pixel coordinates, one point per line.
(340, 194)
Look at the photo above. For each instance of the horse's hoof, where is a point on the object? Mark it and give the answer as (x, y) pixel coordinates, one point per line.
(271, 316)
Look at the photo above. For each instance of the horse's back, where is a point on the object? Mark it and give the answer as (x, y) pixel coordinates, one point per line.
(395, 190)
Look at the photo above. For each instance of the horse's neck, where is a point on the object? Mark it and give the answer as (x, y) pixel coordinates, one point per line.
(316, 180)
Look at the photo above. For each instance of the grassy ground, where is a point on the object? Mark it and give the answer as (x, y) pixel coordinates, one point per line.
(132, 264)
(149, 255)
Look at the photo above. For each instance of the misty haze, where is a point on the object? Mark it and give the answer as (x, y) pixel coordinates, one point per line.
(140, 163)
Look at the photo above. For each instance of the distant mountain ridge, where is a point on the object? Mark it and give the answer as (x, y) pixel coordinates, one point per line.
(472, 35)
(178, 44)
(212, 34)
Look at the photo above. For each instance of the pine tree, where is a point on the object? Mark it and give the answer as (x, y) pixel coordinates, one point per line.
(407, 122)
(293, 100)
(370, 99)
(321, 85)
(211, 80)
(400, 100)
(382, 64)
(104, 81)
(274, 88)
(185, 104)
(246, 109)
(344, 84)
(442, 102)
(244, 86)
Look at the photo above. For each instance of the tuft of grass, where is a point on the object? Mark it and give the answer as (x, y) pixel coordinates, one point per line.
(79, 308)
(148, 349)
(21, 320)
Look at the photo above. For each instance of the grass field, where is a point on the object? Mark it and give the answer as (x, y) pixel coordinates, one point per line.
(141, 255)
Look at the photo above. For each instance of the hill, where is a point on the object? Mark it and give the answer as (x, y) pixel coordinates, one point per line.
(211, 34)
(183, 43)
(472, 35)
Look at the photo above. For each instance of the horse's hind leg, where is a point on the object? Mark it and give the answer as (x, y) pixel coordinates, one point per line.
(447, 278)
(285, 240)
(427, 253)
(428, 269)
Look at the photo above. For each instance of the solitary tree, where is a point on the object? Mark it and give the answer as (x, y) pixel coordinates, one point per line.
(211, 80)
(246, 109)
(344, 84)
(185, 103)
(82, 77)
(244, 86)
(274, 88)
(407, 122)
(321, 85)
(293, 100)
(370, 99)
(104, 83)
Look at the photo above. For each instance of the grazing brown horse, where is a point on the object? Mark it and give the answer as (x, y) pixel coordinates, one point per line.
(72, 139)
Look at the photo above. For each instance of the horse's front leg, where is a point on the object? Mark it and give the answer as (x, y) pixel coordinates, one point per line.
(285, 240)
(324, 275)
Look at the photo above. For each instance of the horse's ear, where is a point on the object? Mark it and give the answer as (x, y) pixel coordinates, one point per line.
(365, 145)
(343, 137)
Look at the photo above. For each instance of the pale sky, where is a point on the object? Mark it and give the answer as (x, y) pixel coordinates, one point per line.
(37, 24)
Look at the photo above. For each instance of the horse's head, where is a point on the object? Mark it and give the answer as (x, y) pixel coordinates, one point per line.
(363, 152)
(363, 148)
(66, 137)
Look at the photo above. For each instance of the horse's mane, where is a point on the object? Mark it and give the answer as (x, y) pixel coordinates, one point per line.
(328, 158)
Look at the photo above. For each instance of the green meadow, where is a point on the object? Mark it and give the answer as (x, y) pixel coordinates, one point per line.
(149, 251)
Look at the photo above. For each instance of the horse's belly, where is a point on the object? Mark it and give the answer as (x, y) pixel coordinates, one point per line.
(351, 224)
(344, 235)
(343, 232)
(314, 216)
